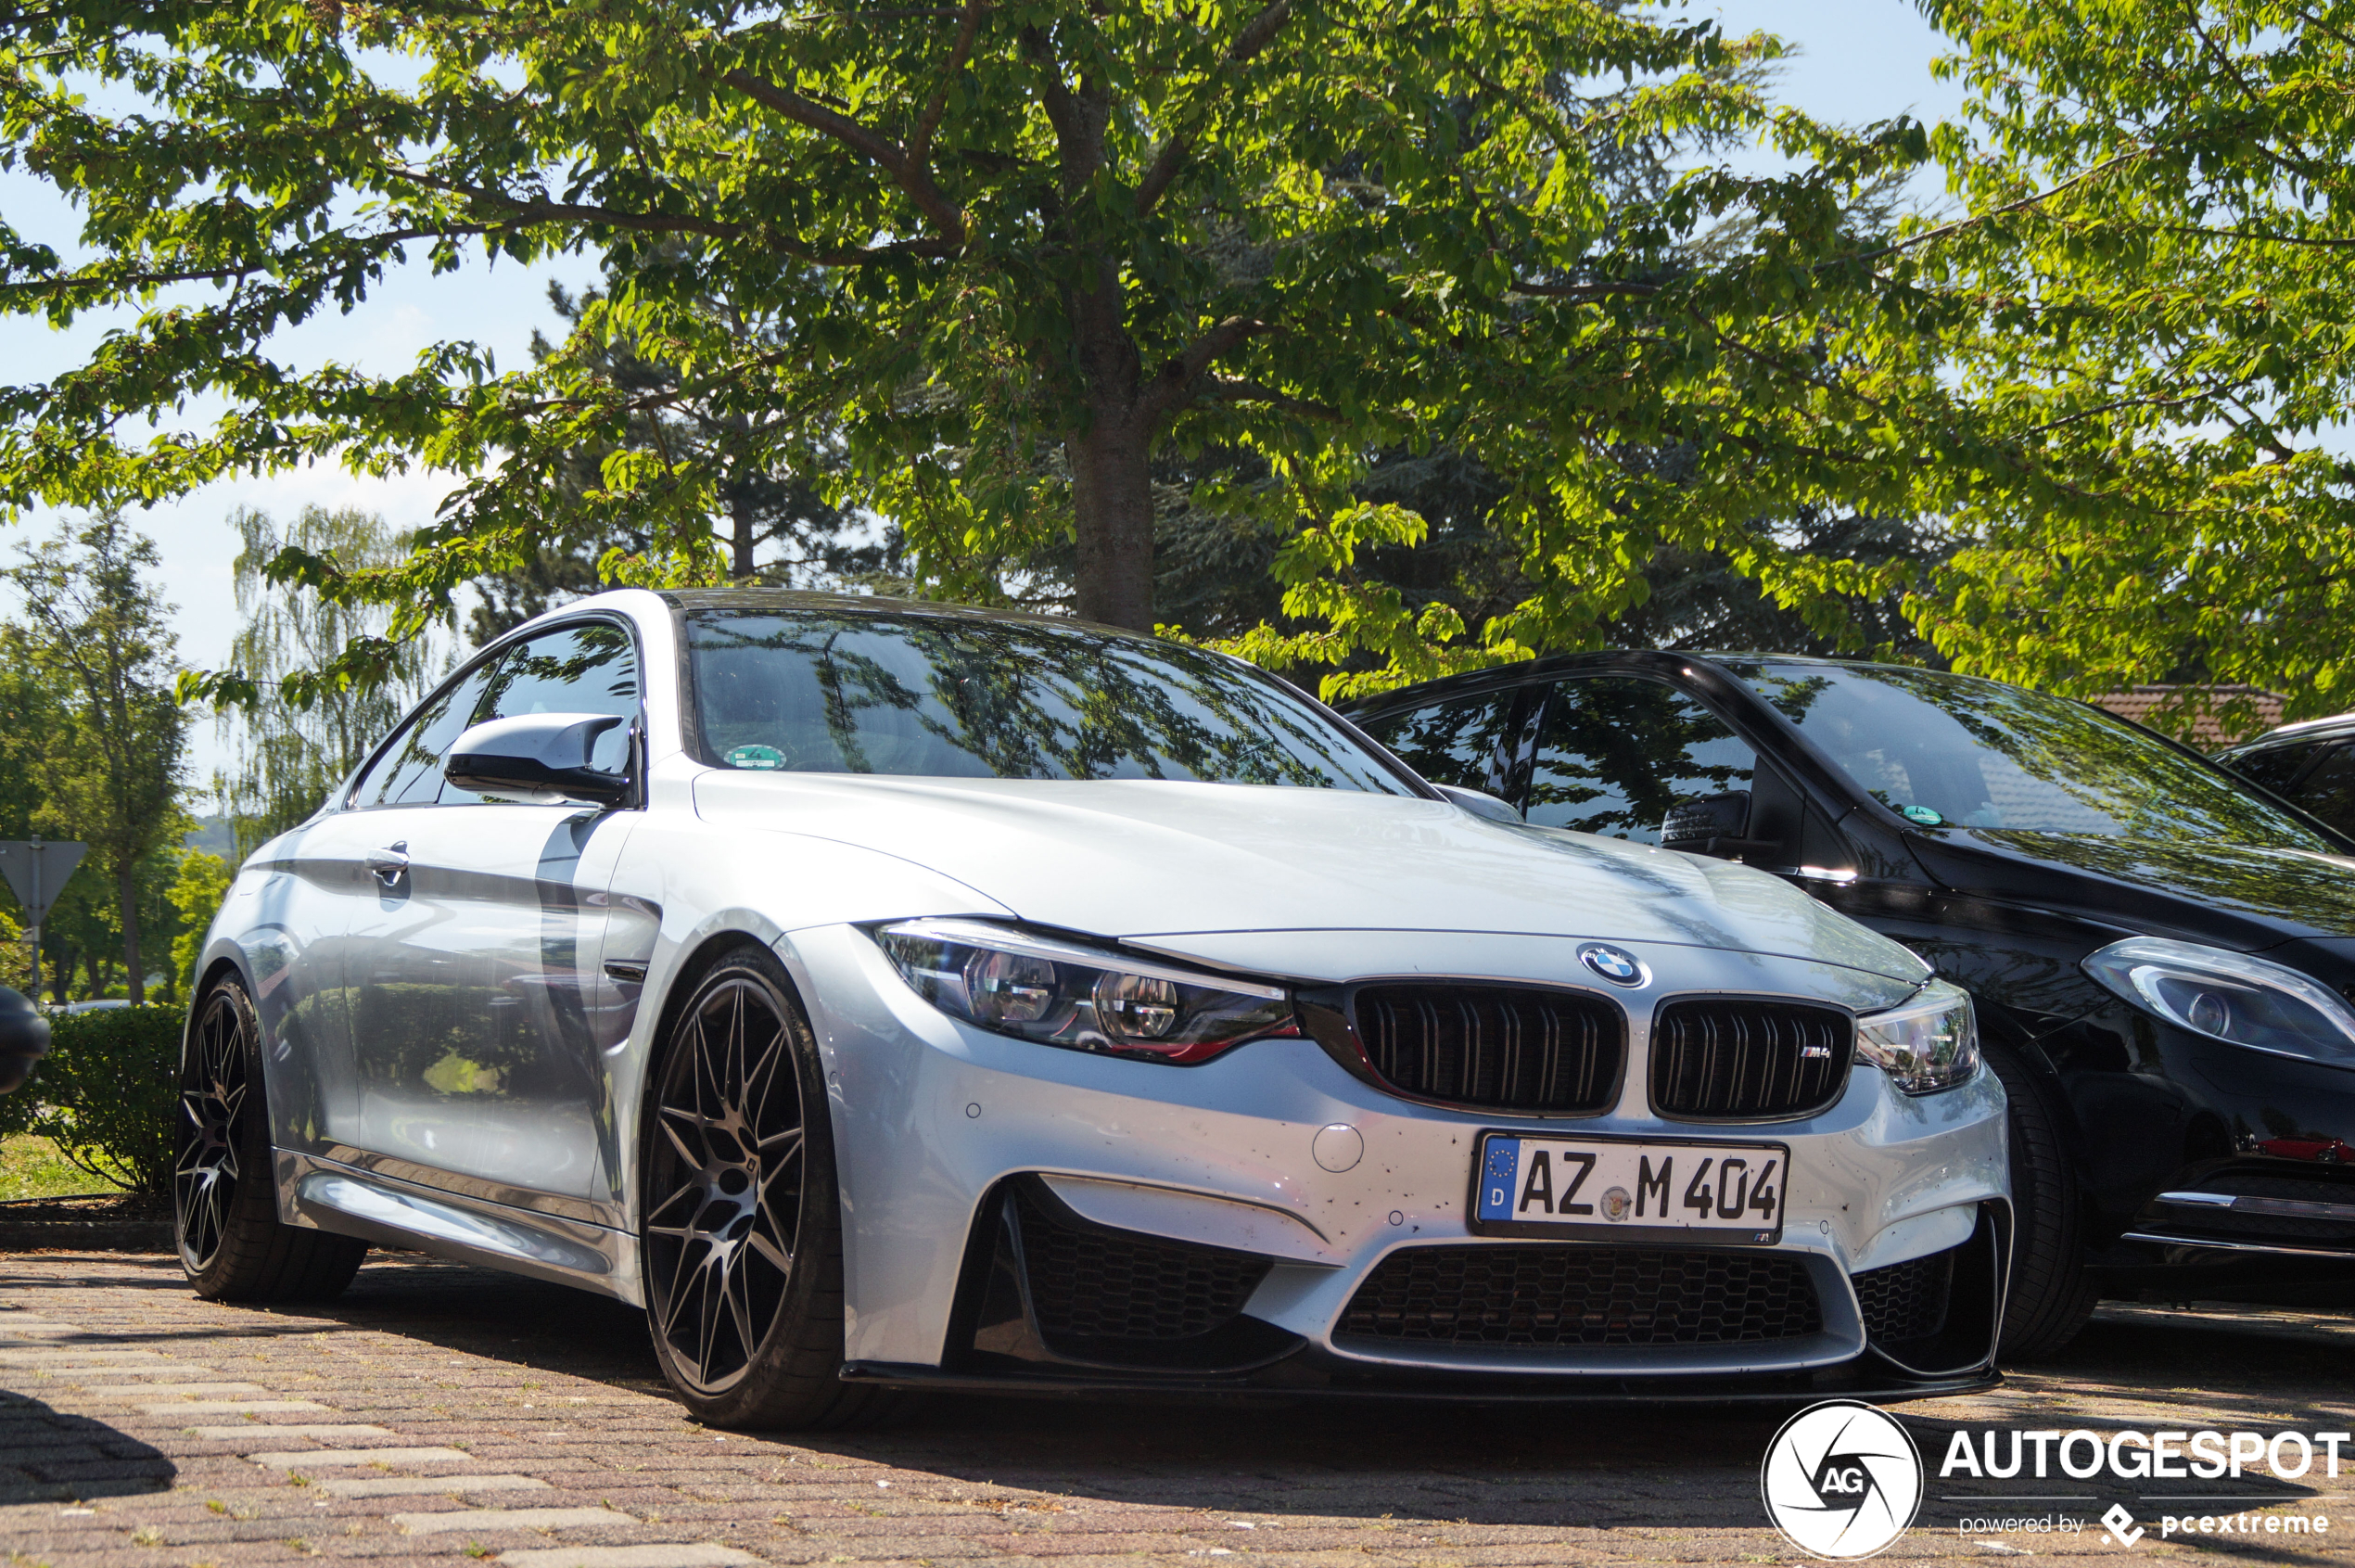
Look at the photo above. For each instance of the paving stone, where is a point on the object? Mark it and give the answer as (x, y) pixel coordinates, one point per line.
(231, 1407)
(701, 1554)
(312, 1459)
(481, 1521)
(260, 1431)
(406, 1485)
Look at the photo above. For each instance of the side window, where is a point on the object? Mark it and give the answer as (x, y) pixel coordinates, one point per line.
(592, 668)
(2274, 767)
(409, 773)
(1617, 753)
(2329, 790)
(1453, 743)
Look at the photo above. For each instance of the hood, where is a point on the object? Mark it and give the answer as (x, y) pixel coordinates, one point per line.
(2231, 894)
(1143, 857)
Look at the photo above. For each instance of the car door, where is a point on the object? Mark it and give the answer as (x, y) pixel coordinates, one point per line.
(477, 1058)
(1469, 742)
(2327, 789)
(1615, 753)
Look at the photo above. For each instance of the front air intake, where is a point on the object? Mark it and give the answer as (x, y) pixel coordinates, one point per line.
(1545, 1296)
(1497, 1048)
(1748, 1059)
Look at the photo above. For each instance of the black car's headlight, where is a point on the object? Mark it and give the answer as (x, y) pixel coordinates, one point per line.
(1061, 993)
(1928, 1044)
(2233, 996)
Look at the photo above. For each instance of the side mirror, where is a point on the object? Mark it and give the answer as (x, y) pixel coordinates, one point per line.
(1480, 803)
(1713, 824)
(24, 1038)
(538, 759)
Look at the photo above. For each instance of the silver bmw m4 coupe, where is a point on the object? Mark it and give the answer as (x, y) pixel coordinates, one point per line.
(888, 997)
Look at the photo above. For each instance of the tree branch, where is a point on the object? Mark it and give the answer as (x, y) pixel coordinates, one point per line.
(1170, 385)
(919, 144)
(912, 178)
(1170, 162)
(1221, 390)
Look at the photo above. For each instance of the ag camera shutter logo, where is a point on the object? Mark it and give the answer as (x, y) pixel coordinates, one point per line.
(1841, 1480)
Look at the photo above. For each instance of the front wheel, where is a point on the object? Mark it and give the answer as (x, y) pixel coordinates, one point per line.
(224, 1205)
(2053, 1292)
(742, 1246)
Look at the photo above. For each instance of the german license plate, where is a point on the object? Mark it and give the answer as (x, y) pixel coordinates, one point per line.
(1628, 1189)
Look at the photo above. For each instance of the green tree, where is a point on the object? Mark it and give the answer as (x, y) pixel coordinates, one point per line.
(2160, 203)
(1013, 252)
(96, 635)
(288, 753)
(197, 891)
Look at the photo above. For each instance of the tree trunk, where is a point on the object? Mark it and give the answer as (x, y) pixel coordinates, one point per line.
(1112, 492)
(740, 541)
(135, 980)
(1111, 498)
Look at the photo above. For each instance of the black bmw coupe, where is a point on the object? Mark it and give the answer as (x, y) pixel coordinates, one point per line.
(2163, 955)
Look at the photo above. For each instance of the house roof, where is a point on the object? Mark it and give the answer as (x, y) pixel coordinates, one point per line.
(2153, 705)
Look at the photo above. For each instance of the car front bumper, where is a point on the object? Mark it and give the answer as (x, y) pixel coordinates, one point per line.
(948, 1136)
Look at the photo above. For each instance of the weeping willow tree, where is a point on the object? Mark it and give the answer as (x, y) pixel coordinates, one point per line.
(288, 755)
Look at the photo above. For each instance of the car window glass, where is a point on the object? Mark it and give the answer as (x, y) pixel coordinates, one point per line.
(409, 773)
(2329, 790)
(963, 697)
(1976, 753)
(2274, 767)
(591, 667)
(1615, 753)
(1450, 742)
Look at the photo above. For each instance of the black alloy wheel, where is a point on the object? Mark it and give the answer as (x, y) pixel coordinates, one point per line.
(224, 1203)
(742, 1246)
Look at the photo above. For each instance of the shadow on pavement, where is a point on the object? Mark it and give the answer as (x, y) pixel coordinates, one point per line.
(47, 1456)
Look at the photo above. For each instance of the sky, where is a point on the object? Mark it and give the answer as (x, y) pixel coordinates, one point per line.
(1859, 61)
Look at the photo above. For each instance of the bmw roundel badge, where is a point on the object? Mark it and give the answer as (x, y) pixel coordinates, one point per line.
(1615, 965)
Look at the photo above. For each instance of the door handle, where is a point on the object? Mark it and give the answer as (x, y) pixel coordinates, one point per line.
(390, 865)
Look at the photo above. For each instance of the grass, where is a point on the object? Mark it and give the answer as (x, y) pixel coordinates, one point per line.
(31, 1168)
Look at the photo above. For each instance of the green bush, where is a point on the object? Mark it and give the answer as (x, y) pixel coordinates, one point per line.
(106, 1092)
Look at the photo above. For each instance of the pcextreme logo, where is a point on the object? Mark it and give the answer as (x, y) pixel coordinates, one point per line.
(1841, 1480)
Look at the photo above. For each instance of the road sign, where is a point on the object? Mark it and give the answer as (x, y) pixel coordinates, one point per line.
(37, 871)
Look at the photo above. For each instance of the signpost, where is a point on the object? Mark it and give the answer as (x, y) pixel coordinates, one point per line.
(37, 874)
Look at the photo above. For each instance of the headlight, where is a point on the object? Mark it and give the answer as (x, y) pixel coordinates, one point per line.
(2229, 996)
(1059, 993)
(1928, 1044)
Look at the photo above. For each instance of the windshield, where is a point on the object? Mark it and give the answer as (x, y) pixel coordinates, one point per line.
(1957, 749)
(816, 691)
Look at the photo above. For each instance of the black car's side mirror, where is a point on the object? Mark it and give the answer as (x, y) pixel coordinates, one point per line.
(1713, 824)
(24, 1038)
(538, 759)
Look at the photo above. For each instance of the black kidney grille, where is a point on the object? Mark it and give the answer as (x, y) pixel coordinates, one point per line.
(1580, 1295)
(1743, 1061)
(1906, 1300)
(1098, 1285)
(1498, 1047)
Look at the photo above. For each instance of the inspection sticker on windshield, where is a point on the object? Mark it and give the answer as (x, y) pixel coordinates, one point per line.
(1652, 1189)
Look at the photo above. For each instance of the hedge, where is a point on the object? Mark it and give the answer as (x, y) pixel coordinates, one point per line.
(105, 1094)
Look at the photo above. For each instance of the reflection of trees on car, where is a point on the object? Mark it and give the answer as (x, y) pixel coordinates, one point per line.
(1989, 756)
(910, 695)
(1617, 754)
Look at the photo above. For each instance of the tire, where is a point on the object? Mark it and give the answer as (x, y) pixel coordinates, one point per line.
(741, 1219)
(2052, 1291)
(224, 1200)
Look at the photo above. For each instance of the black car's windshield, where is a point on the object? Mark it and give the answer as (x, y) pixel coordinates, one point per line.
(819, 692)
(1976, 753)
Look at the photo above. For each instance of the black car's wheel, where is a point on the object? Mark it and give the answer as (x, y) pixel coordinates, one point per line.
(224, 1205)
(741, 1250)
(2052, 1292)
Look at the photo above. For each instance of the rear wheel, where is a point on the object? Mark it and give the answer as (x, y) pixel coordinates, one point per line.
(2053, 1292)
(224, 1198)
(742, 1249)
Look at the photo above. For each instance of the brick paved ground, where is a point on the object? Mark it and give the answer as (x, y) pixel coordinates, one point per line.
(439, 1413)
